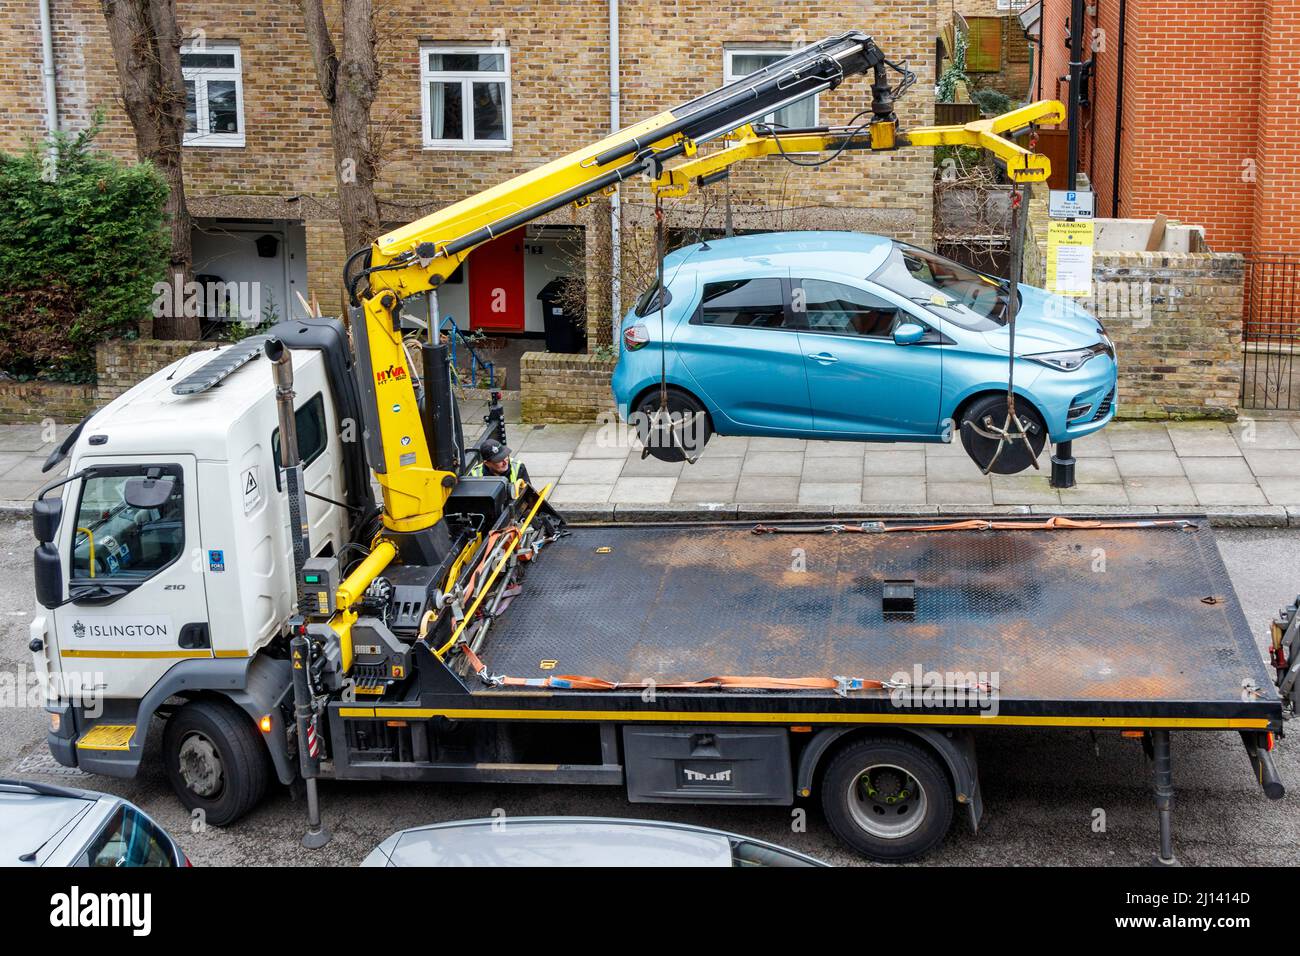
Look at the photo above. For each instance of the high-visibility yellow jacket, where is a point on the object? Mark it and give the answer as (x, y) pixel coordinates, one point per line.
(478, 471)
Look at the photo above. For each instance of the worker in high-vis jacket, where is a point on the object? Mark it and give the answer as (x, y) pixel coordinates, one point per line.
(497, 459)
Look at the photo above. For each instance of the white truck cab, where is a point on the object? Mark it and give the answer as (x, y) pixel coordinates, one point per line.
(165, 563)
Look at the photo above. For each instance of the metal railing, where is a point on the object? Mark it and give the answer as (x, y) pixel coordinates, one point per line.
(1270, 378)
(475, 362)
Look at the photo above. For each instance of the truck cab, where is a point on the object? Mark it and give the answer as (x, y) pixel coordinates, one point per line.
(168, 547)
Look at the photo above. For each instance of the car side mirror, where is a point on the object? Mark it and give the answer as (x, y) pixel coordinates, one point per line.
(908, 333)
(46, 515)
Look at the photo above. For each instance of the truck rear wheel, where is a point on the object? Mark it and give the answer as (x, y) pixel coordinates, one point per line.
(215, 760)
(888, 799)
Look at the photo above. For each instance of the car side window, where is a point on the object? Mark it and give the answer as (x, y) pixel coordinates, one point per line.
(123, 542)
(754, 303)
(128, 839)
(839, 309)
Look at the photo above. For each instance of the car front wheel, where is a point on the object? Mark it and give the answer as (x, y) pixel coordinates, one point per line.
(980, 422)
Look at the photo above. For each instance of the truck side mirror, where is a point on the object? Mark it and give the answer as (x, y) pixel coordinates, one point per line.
(46, 515)
(49, 575)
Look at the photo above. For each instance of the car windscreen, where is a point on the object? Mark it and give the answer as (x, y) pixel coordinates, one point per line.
(948, 289)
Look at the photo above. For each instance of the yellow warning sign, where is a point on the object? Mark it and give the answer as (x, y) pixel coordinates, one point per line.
(1069, 257)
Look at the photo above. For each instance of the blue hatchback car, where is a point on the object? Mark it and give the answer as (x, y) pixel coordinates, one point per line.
(845, 336)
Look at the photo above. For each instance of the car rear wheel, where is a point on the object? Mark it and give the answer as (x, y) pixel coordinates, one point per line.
(988, 414)
(216, 762)
(675, 432)
(888, 799)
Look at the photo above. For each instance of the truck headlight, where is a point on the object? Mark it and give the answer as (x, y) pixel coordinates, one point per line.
(1067, 361)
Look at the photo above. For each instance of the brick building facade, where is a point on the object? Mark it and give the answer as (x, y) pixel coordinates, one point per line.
(1208, 126)
(267, 166)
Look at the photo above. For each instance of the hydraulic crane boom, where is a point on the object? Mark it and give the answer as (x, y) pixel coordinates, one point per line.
(409, 450)
(415, 467)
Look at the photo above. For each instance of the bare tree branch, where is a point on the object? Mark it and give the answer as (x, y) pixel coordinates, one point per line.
(349, 83)
(322, 47)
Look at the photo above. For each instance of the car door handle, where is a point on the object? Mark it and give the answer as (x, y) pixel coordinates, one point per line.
(823, 358)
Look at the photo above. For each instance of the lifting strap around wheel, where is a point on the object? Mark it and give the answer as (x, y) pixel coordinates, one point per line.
(1013, 427)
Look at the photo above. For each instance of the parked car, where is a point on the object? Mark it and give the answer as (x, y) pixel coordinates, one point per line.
(576, 841)
(845, 336)
(44, 825)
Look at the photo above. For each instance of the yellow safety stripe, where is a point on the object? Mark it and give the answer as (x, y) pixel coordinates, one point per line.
(140, 655)
(1156, 723)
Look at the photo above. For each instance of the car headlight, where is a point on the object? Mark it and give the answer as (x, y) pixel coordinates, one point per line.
(1067, 361)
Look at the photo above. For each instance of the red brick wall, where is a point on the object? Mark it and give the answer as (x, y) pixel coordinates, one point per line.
(1193, 128)
(1100, 155)
(1276, 222)
(1210, 90)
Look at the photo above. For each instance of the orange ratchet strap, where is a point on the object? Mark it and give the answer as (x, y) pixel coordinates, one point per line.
(1054, 523)
(841, 685)
(489, 546)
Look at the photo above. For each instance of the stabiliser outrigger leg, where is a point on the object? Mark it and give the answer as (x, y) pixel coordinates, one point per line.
(1162, 768)
(304, 705)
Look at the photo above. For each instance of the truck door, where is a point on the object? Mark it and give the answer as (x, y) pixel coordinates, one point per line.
(135, 579)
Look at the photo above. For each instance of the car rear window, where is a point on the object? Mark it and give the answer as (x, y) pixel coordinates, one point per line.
(648, 301)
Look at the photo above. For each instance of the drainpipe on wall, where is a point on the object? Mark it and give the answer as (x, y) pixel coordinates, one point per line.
(47, 69)
(1119, 110)
(1076, 85)
(615, 209)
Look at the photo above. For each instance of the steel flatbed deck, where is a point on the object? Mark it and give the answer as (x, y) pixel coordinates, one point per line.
(1128, 627)
(660, 658)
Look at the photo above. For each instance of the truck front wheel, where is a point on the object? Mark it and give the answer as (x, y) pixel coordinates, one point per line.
(216, 762)
(888, 799)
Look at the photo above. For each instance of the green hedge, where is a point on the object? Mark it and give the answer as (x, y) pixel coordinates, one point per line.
(83, 244)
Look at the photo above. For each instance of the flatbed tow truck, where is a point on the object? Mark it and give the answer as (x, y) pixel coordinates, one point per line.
(216, 558)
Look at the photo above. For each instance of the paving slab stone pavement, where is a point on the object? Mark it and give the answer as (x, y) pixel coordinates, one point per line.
(1244, 473)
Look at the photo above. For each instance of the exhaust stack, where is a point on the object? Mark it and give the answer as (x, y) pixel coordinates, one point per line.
(290, 462)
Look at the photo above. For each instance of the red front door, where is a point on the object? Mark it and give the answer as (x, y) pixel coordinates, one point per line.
(496, 284)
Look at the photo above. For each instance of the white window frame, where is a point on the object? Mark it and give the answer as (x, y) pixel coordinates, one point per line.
(729, 75)
(200, 77)
(466, 79)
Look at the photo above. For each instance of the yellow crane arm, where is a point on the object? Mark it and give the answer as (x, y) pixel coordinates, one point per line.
(419, 257)
(400, 440)
(1023, 166)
